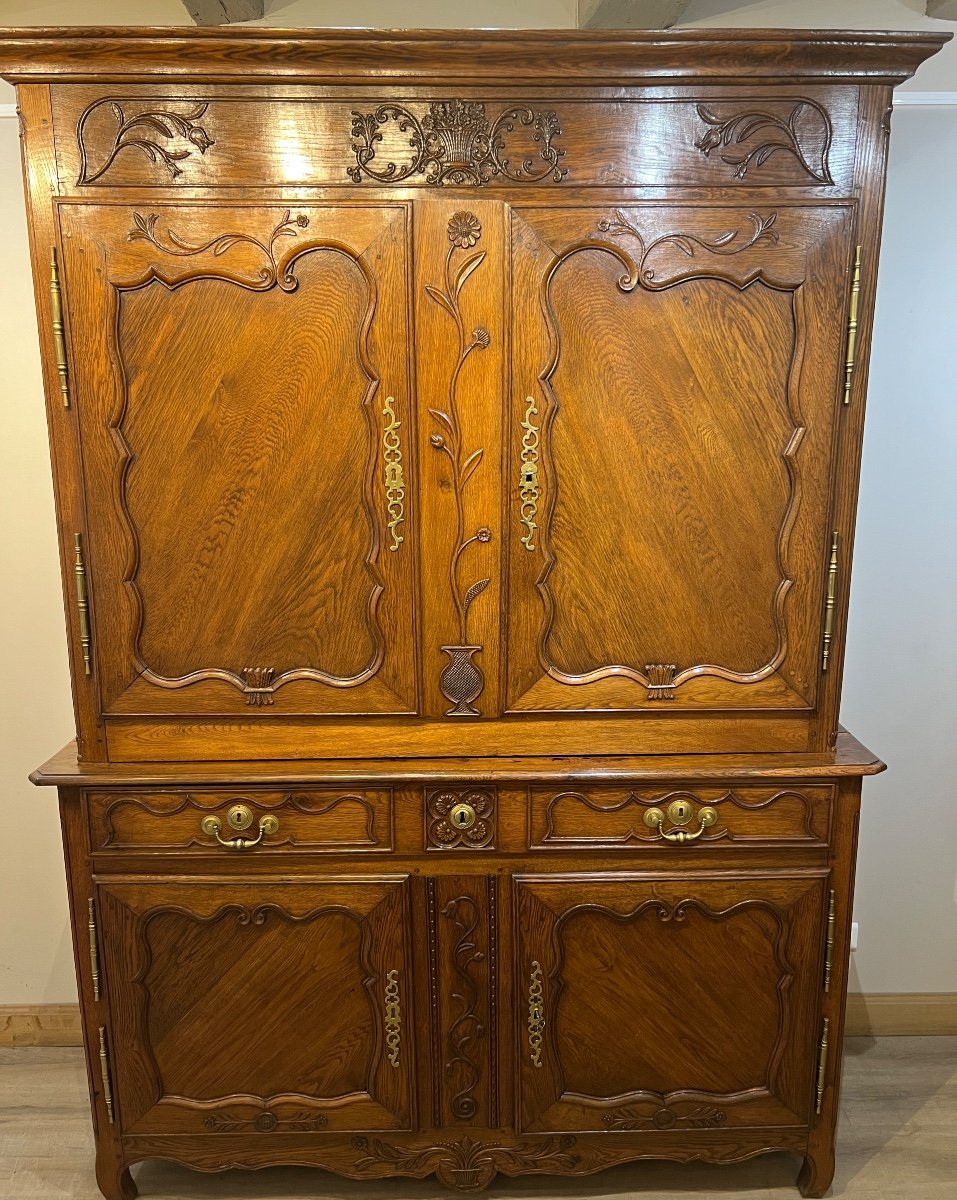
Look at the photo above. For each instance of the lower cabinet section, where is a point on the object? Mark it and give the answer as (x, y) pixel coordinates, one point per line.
(257, 1007)
(666, 1004)
(473, 1010)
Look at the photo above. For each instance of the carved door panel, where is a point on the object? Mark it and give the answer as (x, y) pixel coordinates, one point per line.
(244, 400)
(676, 378)
(666, 1004)
(266, 1007)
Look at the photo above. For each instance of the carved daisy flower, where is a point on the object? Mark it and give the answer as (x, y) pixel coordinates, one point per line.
(481, 338)
(464, 230)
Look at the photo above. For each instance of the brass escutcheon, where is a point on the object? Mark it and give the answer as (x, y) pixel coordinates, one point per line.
(462, 816)
(239, 817)
(680, 812)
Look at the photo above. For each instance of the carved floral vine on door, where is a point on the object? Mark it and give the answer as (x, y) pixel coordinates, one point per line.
(461, 681)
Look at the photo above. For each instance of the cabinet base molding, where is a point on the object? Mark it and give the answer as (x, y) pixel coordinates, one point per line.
(470, 1162)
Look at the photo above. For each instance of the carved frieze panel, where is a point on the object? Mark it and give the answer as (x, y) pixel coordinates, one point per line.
(189, 137)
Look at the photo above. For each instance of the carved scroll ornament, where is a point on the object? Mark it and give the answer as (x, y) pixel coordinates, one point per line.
(456, 143)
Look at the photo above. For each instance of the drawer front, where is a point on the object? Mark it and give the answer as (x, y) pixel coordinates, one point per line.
(319, 820)
(621, 817)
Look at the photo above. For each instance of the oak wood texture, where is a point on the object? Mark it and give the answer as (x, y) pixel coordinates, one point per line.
(450, 444)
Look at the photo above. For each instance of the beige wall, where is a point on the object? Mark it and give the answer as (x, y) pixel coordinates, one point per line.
(902, 653)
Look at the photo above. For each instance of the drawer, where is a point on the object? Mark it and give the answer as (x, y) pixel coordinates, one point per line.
(320, 820)
(621, 817)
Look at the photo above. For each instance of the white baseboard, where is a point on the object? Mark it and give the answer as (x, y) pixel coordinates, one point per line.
(877, 1015)
(40, 1025)
(889, 1014)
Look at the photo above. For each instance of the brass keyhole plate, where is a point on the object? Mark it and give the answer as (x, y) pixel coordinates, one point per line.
(462, 816)
(679, 812)
(239, 817)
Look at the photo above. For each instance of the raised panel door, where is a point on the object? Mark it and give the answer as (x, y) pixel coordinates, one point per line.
(257, 1007)
(666, 1004)
(245, 407)
(676, 382)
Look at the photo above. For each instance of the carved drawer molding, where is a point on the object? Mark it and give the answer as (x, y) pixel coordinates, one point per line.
(320, 821)
(626, 818)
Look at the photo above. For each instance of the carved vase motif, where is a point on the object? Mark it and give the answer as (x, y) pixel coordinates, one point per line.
(461, 681)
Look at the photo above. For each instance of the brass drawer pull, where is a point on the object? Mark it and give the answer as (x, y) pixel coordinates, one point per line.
(239, 817)
(680, 813)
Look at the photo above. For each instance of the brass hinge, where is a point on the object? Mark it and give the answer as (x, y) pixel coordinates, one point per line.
(822, 1065)
(82, 601)
(830, 603)
(105, 1074)
(59, 339)
(829, 944)
(94, 953)
(852, 326)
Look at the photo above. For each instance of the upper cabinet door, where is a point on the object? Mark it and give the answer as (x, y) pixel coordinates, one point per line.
(245, 407)
(676, 380)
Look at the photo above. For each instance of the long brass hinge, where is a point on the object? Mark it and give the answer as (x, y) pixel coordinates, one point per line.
(852, 326)
(829, 944)
(94, 952)
(830, 603)
(105, 1074)
(822, 1065)
(59, 339)
(82, 600)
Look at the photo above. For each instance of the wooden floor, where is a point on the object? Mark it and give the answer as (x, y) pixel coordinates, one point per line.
(898, 1141)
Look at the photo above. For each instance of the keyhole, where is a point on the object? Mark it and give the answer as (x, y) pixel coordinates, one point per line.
(463, 816)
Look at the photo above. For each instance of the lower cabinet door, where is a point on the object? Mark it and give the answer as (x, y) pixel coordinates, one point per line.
(257, 1007)
(667, 1004)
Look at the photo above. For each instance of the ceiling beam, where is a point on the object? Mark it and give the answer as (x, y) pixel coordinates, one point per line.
(629, 14)
(225, 12)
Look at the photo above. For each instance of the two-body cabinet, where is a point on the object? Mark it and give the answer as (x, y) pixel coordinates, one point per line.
(456, 444)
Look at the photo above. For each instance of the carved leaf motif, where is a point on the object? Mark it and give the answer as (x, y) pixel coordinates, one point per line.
(475, 590)
(441, 299)
(466, 269)
(471, 463)
(132, 134)
(794, 135)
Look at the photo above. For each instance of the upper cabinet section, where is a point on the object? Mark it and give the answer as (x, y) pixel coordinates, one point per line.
(217, 137)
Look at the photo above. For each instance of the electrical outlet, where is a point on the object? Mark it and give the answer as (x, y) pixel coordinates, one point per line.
(853, 935)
